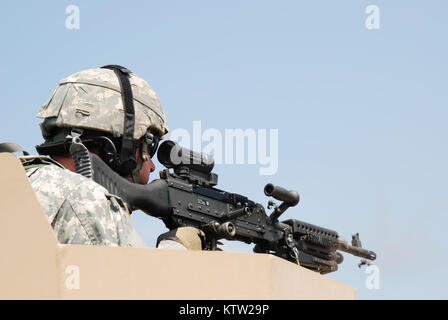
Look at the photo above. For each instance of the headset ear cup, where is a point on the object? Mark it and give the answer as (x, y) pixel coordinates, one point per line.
(109, 155)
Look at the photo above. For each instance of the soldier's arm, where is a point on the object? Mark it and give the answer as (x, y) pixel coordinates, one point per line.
(81, 211)
(102, 216)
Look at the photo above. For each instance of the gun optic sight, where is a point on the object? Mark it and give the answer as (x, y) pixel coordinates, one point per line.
(171, 155)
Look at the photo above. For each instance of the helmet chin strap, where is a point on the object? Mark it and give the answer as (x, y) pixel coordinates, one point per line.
(127, 162)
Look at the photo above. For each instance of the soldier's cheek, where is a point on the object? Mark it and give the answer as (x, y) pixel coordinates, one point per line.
(147, 168)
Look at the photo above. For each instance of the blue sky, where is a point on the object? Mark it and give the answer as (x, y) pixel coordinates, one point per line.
(361, 114)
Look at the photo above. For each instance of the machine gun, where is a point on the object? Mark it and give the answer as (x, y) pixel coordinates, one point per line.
(185, 195)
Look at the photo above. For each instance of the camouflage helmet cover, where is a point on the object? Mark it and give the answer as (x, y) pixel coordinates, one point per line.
(91, 99)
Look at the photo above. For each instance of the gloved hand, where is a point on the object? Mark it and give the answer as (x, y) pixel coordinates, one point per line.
(188, 238)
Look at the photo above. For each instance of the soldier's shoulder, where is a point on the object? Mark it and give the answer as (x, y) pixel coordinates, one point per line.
(60, 182)
(55, 185)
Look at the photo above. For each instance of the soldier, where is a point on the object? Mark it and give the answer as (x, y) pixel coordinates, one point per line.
(115, 114)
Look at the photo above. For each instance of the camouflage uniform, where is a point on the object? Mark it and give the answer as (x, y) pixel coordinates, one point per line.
(81, 211)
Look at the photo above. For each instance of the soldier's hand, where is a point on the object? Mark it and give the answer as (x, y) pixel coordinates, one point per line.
(187, 237)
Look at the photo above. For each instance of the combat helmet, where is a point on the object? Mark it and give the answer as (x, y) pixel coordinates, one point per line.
(111, 100)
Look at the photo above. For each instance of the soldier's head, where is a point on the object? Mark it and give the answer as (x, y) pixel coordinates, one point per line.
(117, 114)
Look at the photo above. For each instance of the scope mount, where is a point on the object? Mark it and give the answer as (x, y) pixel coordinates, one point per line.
(192, 176)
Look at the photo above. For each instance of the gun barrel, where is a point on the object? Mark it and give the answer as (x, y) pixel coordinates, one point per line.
(356, 251)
